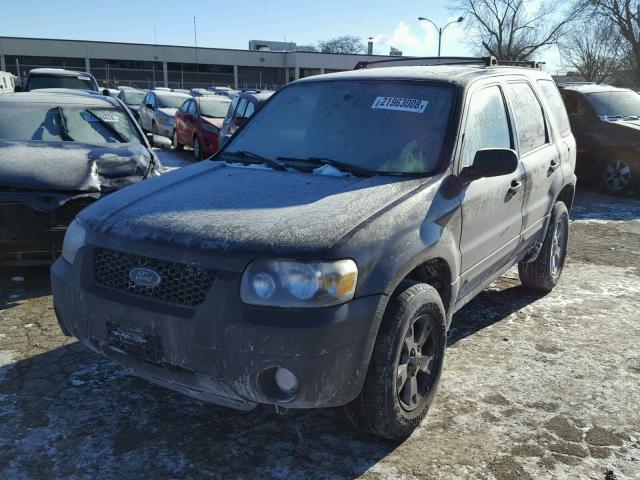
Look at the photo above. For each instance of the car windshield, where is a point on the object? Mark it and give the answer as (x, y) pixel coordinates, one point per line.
(49, 122)
(133, 98)
(214, 108)
(615, 103)
(79, 82)
(171, 101)
(377, 126)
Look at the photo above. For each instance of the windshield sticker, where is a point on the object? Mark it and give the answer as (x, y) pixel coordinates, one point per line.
(414, 105)
(105, 117)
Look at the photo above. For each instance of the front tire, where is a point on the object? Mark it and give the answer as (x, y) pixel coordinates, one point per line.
(405, 365)
(177, 146)
(544, 272)
(618, 175)
(197, 148)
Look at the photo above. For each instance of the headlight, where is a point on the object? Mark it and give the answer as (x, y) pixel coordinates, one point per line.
(73, 240)
(285, 283)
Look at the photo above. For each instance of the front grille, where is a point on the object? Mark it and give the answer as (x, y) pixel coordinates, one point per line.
(180, 282)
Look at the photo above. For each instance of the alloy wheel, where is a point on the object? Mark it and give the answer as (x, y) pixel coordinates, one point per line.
(558, 245)
(196, 148)
(416, 366)
(617, 175)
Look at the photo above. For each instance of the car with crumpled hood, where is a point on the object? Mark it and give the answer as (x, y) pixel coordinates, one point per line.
(61, 150)
(318, 258)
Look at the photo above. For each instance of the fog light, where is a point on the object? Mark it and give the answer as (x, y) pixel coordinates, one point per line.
(287, 381)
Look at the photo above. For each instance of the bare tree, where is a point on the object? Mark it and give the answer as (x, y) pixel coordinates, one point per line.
(625, 14)
(513, 29)
(344, 44)
(593, 49)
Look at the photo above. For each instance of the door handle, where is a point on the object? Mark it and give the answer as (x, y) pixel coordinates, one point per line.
(515, 186)
(555, 163)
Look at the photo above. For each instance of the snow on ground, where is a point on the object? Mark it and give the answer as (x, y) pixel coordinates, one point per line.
(596, 208)
(172, 160)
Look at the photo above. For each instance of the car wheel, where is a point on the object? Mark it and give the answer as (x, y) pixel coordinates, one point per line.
(197, 148)
(177, 146)
(617, 176)
(405, 365)
(544, 272)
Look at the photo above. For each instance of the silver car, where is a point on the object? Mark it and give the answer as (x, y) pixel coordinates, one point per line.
(157, 111)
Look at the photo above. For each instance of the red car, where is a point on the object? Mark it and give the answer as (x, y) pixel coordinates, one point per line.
(198, 122)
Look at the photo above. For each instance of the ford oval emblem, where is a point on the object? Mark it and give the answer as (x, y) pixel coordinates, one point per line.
(144, 277)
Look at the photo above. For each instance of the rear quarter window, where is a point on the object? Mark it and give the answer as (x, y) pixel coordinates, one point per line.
(528, 116)
(556, 106)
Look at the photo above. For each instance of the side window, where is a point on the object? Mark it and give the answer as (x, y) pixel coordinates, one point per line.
(528, 116)
(242, 104)
(193, 108)
(232, 106)
(556, 106)
(487, 124)
(250, 109)
(152, 100)
(146, 100)
(572, 104)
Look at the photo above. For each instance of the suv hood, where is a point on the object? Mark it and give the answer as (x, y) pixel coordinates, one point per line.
(245, 209)
(71, 166)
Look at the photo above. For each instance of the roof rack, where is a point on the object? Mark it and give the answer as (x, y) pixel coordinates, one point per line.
(522, 63)
(484, 61)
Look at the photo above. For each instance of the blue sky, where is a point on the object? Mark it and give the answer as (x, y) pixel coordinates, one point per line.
(232, 24)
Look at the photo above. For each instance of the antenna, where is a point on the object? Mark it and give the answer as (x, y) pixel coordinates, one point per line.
(195, 39)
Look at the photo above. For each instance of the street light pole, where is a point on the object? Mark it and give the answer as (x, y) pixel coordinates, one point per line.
(440, 30)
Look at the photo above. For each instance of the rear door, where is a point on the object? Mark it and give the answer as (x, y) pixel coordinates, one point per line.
(539, 154)
(491, 207)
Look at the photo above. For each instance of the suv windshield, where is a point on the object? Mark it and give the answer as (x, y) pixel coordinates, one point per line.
(47, 122)
(377, 126)
(78, 82)
(171, 101)
(213, 108)
(615, 103)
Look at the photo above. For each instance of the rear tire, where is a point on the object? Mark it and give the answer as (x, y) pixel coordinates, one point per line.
(544, 272)
(405, 365)
(177, 146)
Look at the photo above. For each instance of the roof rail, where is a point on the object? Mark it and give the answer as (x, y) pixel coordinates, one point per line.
(522, 63)
(484, 61)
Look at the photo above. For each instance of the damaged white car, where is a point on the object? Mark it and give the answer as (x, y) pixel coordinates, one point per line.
(61, 150)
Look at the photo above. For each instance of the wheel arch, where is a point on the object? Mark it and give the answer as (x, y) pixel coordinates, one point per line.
(567, 195)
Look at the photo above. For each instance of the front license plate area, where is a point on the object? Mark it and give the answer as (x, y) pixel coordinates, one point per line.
(134, 342)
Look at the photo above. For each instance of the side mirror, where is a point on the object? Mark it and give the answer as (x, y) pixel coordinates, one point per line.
(18, 88)
(490, 162)
(238, 121)
(106, 92)
(148, 105)
(158, 141)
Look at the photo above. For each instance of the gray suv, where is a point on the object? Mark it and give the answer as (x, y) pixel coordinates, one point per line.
(318, 259)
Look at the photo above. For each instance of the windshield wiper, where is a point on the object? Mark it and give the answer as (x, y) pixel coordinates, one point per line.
(318, 161)
(64, 131)
(109, 127)
(245, 155)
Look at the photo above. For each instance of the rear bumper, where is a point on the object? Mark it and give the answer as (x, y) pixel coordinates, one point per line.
(222, 351)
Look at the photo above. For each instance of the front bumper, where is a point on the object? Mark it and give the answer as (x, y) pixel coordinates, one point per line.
(221, 351)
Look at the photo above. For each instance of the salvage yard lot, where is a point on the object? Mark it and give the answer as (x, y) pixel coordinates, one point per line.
(534, 387)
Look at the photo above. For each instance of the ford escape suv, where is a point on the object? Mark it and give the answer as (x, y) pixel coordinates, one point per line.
(317, 259)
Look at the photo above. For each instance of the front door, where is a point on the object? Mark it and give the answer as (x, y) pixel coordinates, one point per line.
(491, 207)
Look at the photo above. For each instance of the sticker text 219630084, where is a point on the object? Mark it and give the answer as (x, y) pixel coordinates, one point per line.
(414, 105)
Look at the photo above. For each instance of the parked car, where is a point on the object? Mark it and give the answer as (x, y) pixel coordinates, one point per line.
(157, 111)
(605, 121)
(111, 92)
(60, 151)
(200, 92)
(39, 78)
(318, 260)
(243, 106)
(132, 99)
(181, 90)
(7, 82)
(198, 123)
(224, 91)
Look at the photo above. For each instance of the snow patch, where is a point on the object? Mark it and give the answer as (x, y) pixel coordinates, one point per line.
(17, 279)
(330, 171)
